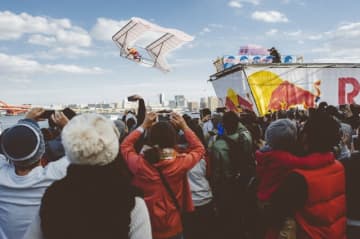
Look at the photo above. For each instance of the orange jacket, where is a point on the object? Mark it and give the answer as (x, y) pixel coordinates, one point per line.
(323, 216)
(165, 218)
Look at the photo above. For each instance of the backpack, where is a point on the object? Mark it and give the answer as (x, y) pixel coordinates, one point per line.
(242, 162)
(243, 182)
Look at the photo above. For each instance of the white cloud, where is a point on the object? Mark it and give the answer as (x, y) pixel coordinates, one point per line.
(254, 2)
(42, 40)
(15, 65)
(315, 37)
(272, 32)
(216, 25)
(299, 2)
(45, 31)
(206, 29)
(105, 28)
(239, 3)
(294, 34)
(269, 16)
(13, 26)
(235, 4)
(340, 44)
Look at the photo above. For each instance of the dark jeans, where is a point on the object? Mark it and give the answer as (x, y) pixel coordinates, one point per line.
(200, 223)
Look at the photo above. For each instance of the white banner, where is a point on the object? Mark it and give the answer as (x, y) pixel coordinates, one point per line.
(282, 87)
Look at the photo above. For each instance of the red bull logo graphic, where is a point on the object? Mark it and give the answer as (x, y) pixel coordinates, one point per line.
(235, 102)
(288, 94)
(272, 93)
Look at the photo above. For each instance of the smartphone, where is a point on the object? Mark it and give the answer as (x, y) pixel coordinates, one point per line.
(163, 117)
(47, 114)
(132, 98)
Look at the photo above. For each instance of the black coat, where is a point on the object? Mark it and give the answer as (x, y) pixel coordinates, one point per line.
(90, 202)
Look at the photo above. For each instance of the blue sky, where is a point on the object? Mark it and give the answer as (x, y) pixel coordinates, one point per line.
(61, 51)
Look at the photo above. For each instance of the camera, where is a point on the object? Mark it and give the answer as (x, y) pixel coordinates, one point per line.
(164, 117)
(47, 114)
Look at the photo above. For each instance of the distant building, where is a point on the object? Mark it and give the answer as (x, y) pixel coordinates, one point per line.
(193, 106)
(73, 106)
(172, 104)
(117, 105)
(213, 103)
(162, 99)
(180, 101)
(203, 103)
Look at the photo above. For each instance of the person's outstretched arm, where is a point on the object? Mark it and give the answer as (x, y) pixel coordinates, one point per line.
(141, 112)
(131, 157)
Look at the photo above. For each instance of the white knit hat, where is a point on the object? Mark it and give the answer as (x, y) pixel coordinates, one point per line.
(91, 139)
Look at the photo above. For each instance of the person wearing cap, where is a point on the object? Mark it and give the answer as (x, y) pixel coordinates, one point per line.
(305, 196)
(95, 199)
(23, 180)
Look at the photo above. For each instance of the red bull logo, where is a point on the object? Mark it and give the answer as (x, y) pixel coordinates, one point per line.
(272, 93)
(288, 94)
(235, 102)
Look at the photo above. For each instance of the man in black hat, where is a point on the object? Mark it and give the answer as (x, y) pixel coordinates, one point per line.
(276, 58)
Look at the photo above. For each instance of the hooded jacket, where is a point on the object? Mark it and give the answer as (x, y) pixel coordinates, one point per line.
(165, 218)
(274, 166)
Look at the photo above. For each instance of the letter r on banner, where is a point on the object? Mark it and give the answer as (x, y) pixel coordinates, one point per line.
(348, 98)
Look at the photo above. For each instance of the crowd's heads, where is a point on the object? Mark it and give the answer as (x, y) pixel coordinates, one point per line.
(321, 132)
(204, 112)
(322, 106)
(163, 135)
(281, 135)
(23, 144)
(231, 122)
(355, 109)
(333, 111)
(131, 121)
(91, 139)
(120, 125)
(69, 113)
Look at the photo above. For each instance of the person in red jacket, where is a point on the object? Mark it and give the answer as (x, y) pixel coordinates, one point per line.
(315, 197)
(274, 162)
(161, 156)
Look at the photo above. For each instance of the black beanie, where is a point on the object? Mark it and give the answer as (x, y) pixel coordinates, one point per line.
(23, 143)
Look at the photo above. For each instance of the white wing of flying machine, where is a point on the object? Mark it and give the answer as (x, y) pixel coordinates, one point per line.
(157, 50)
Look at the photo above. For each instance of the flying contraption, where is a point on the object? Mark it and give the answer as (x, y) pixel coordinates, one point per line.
(162, 42)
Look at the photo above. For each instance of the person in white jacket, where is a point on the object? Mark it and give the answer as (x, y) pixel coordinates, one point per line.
(23, 180)
(95, 199)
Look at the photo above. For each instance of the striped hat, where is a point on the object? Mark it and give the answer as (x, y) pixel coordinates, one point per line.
(23, 143)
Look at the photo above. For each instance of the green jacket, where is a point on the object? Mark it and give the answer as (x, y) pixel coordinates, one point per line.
(221, 165)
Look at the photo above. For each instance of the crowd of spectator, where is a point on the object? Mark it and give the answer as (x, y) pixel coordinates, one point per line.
(288, 174)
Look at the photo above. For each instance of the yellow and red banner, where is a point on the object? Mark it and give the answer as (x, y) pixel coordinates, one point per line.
(264, 88)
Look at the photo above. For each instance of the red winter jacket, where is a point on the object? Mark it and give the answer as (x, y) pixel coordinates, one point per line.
(273, 167)
(324, 213)
(165, 218)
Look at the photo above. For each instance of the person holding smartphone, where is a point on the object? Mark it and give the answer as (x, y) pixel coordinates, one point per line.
(57, 120)
(131, 119)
